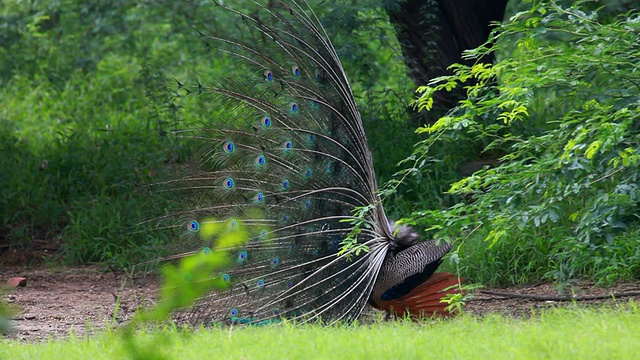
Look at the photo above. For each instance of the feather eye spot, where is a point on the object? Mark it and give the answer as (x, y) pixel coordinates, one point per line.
(205, 251)
(226, 278)
(285, 218)
(275, 262)
(308, 173)
(288, 145)
(259, 198)
(293, 247)
(295, 70)
(266, 121)
(228, 183)
(193, 226)
(285, 184)
(293, 107)
(233, 312)
(242, 256)
(228, 147)
(314, 105)
(330, 168)
(311, 139)
(260, 161)
(307, 204)
(268, 75)
(260, 283)
(232, 224)
(276, 311)
(263, 234)
(290, 284)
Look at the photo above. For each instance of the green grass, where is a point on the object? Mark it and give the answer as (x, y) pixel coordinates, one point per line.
(576, 333)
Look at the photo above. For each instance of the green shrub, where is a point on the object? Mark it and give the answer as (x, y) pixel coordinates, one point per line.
(560, 107)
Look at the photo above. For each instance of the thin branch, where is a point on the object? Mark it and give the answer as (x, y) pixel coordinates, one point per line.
(612, 295)
(607, 175)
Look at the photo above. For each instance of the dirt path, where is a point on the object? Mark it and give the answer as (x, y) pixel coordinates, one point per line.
(57, 301)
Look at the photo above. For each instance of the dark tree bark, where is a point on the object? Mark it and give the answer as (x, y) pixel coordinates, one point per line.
(434, 33)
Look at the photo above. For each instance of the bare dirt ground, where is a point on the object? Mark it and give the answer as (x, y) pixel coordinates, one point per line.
(57, 301)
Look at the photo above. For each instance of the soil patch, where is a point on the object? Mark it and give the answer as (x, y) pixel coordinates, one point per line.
(83, 300)
(58, 301)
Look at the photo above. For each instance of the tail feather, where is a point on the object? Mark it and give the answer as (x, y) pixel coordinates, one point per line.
(425, 299)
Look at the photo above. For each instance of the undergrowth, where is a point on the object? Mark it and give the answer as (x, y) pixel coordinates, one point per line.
(560, 108)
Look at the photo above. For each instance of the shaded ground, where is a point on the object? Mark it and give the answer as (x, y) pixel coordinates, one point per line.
(83, 300)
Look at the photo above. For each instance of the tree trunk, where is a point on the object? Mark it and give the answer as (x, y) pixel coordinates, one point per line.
(434, 33)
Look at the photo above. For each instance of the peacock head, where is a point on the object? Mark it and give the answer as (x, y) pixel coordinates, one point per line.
(404, 236)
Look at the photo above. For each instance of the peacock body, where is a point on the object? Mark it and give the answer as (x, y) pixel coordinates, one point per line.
(289, 164)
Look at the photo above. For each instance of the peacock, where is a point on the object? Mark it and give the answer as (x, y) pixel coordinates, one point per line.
(288, 163)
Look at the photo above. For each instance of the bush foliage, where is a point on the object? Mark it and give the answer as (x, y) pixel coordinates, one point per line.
(560, 110)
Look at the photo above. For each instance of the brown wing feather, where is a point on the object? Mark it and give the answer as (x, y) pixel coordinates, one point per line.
(425, 299)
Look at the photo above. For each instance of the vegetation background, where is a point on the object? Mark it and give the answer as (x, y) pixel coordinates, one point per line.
(533, 169)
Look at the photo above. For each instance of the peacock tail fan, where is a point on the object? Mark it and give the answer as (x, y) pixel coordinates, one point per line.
(288, 163)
